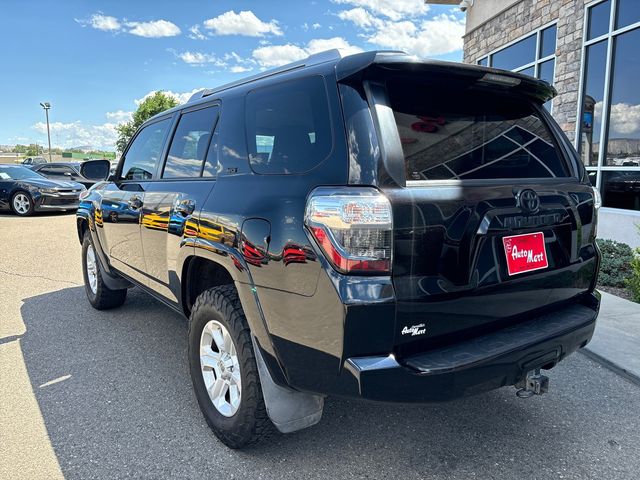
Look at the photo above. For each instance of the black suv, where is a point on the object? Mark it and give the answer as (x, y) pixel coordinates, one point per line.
(372, 226)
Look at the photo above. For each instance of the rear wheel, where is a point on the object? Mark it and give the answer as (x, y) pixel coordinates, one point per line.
(22, 204)
(100, 296)
(224, 371)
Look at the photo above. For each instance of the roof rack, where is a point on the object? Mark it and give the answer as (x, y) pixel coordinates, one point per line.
(314, 59)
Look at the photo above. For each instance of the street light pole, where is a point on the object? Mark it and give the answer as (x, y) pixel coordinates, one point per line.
(47, 106)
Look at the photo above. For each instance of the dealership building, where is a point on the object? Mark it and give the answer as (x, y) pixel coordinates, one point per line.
(590, 52)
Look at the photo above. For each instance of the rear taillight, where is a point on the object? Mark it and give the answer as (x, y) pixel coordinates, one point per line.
(353, 227)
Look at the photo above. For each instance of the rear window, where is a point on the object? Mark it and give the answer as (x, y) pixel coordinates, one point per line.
(471, 134)
(288, 126)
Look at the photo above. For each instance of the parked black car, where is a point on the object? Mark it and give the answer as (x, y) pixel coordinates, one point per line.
(24, 191)
(373, 226)
(63, 171)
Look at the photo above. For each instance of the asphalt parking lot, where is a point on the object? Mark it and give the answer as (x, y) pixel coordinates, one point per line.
(87, 394)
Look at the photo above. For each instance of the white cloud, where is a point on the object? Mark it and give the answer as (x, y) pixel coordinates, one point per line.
(73, 134)
(276, 55)
(437, 36)
(196, 34)
(154, 29)
(318, 45)
(199, 58)
(230, 61)
(243, 23)
(359, 17)
(316, 26)
(624, 120)
(119, 116)
(239, 69)
(393, 9)
(104, 22)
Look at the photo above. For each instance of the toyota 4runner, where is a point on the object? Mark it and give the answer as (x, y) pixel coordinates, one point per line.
(373, 226)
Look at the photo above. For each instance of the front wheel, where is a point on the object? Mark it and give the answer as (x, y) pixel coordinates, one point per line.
(100, 296)
(224, 371)
(22, 204)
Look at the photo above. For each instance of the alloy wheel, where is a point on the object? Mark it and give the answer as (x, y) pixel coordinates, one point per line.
(21, 203)
(220, 368)
(92, 269)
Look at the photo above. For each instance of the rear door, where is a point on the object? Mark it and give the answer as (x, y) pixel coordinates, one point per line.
(174, 199)
(493, 223)
(122, 200)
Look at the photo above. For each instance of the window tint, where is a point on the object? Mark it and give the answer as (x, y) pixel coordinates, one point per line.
(190, 143)
(288, 126)
(144, 153)
(471, 135)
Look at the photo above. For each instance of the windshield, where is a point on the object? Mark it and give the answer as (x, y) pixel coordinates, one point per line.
(17, 173)
(457, 133)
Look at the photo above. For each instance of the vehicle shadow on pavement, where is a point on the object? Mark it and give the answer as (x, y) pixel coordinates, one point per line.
(6, 213)
(114, 391)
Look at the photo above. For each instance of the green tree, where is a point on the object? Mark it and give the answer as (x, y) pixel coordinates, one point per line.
(152, 105)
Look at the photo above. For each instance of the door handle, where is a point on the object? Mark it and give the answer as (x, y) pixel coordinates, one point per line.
(185, 207)
(135, 203)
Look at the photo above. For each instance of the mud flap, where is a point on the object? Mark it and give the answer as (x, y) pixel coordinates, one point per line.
(288, 409)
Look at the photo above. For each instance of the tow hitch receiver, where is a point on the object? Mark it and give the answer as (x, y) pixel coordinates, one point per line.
(534, 383)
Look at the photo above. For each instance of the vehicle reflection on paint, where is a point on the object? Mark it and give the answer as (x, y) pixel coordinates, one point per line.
(294, 253)
(97, 217)
(253, 255)
(155, 221)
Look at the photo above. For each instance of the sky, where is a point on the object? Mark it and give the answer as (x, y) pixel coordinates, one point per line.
(94, 60)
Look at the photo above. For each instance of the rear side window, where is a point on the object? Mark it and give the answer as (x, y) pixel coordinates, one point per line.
(144, 153)
(190, 143)
(288, 126)
(470, 134)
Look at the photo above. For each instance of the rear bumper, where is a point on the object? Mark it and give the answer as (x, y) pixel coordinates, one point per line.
(473, 366)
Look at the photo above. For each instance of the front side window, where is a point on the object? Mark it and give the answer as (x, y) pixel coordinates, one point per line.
(190, 143)
(471, 135)
(144, 153)
(288, 126)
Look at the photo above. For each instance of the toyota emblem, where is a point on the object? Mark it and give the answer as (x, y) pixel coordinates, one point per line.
(528, 200)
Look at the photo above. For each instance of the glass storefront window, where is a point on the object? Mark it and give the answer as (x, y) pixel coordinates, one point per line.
(548, 41)
(621, 189)
(516, 55)
(610, 106)
(623, 139)
(531, 71)
(598, 23)
(594, 78)
(628, 13)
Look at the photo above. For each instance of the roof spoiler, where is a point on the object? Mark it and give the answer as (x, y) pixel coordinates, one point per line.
(380, 64)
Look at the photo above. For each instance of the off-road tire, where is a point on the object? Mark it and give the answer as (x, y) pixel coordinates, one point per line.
(250, 424)
(104, 298)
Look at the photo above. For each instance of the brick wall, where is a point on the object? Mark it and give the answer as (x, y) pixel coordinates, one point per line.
(526, 16)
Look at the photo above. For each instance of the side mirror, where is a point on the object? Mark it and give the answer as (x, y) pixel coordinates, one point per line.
(95, 169)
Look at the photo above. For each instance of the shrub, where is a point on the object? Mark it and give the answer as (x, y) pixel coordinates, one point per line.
(615, 268)
(634, 281)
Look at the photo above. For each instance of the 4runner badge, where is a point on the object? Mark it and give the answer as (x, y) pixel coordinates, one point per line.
(414, 330)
